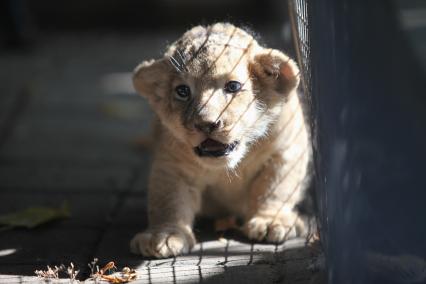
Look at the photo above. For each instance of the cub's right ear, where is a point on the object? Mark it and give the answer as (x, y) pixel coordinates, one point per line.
(151, 77)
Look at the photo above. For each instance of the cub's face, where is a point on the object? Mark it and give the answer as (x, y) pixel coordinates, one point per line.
(217, 91)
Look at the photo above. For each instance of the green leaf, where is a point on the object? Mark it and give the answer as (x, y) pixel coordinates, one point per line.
(35, 216)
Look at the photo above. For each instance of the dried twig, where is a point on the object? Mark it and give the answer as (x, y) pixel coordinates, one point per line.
(72, 272)
(107, 273)
(50, 273)
(124, 276)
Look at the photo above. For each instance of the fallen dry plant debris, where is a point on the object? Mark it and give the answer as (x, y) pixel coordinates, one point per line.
(124, 276)
(53, 273)
(108, 273)
(49, 273)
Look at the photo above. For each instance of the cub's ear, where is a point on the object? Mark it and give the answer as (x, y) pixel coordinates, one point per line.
(151, 77)
(275, 71)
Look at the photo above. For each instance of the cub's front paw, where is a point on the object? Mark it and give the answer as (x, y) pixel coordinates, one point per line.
(162, 242)
(268, 229)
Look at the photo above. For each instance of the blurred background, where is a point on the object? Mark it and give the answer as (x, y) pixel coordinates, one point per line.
(23, 21)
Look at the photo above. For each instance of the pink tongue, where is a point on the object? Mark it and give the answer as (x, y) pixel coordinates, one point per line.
(212, 145)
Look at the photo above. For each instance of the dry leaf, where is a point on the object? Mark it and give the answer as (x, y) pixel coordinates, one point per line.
(124, 276)
(34, 216)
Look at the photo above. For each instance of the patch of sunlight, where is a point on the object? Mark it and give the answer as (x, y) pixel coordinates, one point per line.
(212, 259)
(6, 252)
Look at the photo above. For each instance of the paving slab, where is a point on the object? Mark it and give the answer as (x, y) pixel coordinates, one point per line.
(46, 179)
(73, 140)
(47, 245)
(7, 104)
(133, 212)
(18, 279)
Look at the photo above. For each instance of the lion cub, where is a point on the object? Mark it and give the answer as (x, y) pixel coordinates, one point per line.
(230, 139)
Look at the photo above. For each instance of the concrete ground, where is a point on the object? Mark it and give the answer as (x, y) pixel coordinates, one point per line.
(69, 126)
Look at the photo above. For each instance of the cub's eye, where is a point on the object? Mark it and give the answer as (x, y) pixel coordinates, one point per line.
(183, 92)
(233, 86)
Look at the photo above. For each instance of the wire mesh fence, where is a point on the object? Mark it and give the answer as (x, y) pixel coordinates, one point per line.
(299, 20)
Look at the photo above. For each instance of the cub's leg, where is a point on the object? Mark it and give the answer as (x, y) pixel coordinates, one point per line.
(279, 187)
(172, 204)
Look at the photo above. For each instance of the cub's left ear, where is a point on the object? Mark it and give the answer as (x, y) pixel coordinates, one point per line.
(275, 71)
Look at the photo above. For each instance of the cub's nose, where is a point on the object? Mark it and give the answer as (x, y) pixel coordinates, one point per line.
(208, 127)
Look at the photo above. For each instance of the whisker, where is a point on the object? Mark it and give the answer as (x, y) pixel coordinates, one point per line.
(175, 64)
(182, 58)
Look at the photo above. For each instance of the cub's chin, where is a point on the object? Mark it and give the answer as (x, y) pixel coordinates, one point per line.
(217, 154)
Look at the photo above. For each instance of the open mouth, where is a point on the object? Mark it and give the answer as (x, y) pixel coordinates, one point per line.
(213, 148)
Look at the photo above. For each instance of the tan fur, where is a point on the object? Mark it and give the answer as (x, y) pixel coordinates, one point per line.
(263, 179)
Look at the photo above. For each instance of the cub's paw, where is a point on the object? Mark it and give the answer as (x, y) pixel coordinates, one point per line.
(268, 229)
(162, 242)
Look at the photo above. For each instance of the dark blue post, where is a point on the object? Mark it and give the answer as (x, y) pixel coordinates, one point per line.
(369, 96)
